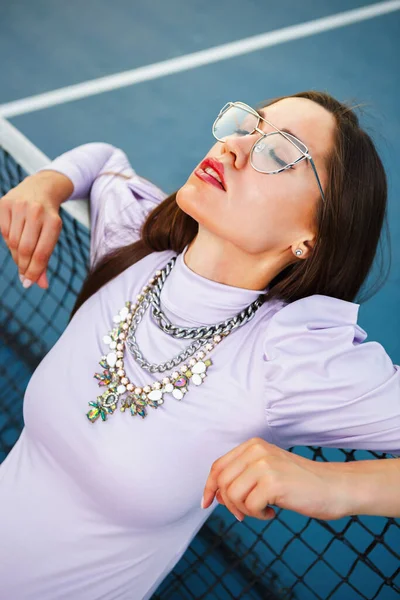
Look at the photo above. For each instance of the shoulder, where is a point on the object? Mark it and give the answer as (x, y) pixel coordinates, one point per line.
(316, 317)
(318, 339)
(118, 172)
(320, 311)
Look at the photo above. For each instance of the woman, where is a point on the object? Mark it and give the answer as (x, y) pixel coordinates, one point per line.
(222, 318)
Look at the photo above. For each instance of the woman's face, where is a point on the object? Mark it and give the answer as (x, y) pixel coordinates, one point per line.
(257, 212)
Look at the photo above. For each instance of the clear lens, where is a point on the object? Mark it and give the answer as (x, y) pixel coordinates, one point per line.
(275, 152)
(234, 121)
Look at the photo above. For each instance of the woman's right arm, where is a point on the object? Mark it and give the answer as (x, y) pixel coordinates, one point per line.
(81, 166)
(29, 213)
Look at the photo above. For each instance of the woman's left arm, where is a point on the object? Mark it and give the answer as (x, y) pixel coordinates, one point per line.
(322, 387)
(257, 474)
(369, 487)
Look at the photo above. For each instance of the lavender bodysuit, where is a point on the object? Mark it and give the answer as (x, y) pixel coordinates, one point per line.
(104, 510)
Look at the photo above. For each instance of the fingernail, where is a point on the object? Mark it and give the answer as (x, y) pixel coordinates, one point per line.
(202, 502)
(240, 520)
(27, 283)
(21, 277)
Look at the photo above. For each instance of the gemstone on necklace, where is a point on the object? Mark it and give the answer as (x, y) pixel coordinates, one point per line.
(138, 407)
(155, 395)
(111, 359)
(103, 362)
(199, 367)
(196, 379)
(155, 403)
(181, 382)
(103, 379)
(178, 394)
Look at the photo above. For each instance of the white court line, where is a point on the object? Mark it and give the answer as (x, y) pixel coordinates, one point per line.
(196, 59)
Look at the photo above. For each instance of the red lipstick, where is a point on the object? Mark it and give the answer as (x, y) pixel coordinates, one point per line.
(218, 168)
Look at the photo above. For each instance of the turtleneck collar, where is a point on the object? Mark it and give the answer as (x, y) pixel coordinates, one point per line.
(189, 299)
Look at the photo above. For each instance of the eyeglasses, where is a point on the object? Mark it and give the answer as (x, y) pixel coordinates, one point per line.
(274, 152)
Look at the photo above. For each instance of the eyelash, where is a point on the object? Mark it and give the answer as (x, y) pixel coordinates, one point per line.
(245, 132)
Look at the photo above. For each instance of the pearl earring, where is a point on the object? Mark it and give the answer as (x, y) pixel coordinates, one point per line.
(299, 252)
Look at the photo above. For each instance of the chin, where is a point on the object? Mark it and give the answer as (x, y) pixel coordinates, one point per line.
(193, 202)
(186, 198)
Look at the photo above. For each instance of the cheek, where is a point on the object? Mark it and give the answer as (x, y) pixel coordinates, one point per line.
(257, 216)
(270, 216)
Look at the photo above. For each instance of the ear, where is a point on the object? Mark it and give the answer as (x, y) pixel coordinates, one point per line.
(306, 246)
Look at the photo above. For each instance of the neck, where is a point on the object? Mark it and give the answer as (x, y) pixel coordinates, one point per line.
(221, 261)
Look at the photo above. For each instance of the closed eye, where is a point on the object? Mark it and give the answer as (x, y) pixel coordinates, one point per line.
(280, 162)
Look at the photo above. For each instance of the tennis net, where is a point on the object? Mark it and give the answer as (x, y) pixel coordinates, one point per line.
(291, 556)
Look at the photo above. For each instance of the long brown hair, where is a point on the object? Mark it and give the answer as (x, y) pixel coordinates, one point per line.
(348, 224)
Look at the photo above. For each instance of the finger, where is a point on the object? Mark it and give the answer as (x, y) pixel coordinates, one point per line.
(218, 497)
(15, 231)
(29, 237)
(211, 484)
(256, 503)
(5, 218)
(251, 492)
(236, 482)
(48, 238)
(43, 281)
(231, 506)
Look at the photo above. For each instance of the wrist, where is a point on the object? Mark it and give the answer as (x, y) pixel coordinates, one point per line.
(350, 492)
(57, 186)
(365, 487)
(338, 486)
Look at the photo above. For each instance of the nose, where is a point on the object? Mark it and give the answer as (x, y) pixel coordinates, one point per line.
(239, 147)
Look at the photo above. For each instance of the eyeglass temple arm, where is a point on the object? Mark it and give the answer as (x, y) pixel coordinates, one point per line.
(316, 176)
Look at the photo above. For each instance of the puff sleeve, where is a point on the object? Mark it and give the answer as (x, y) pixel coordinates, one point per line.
(118, 205)
(323, 385)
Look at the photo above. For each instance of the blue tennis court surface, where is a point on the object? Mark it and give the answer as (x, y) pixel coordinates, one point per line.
(164, 123)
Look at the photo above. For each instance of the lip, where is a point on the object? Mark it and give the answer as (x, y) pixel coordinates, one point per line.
(217, 166)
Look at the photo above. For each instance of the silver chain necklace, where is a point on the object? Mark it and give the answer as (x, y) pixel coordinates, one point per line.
(200, 334)
(139, 398)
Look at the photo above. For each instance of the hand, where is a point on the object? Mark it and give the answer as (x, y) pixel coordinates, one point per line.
(256, 473)
(30, 223)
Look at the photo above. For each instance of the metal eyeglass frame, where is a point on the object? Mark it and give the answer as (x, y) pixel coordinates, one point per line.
(251, 110)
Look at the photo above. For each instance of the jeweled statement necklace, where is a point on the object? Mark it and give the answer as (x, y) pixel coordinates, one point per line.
(137, 399)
